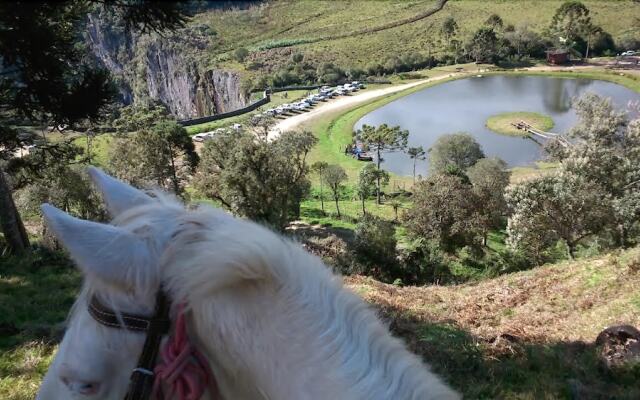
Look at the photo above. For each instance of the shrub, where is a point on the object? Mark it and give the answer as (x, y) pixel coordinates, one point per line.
(297, 57)
(254, 66)
(375, 247)
(628, 43)
(240, 54)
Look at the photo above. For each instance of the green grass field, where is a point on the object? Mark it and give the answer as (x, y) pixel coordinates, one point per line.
(298, 22)
(36, 293)
(502, 123)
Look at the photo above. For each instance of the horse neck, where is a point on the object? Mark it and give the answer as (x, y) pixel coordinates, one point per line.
(284, 339)
(276, 323)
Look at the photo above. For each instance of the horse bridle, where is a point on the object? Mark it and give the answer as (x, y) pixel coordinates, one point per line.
(156, 326)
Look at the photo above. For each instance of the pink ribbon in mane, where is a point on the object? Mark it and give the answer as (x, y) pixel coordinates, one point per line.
(183, 373)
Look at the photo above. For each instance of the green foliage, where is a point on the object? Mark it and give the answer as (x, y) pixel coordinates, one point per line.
(65, 186)
(445, 211)
(161, 154)
(569, 22)
(525, 42)
(484, 45)
(489, 178)
(334, 177)
(63, 90)
(375, 247)
(329, 73)
(258, 179)
(37, 291)
(240, 54)
(459, 150)
(148, 16)
(558, 207)
(136, 118)
(494, 22)
(297, 57)
(606, 153)
(381, 139)
(449, 29)
(367, 182)
(416, 153)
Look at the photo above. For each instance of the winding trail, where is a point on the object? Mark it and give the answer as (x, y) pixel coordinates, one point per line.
(347, 102)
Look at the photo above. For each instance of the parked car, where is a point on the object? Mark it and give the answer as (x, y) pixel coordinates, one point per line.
(629, 53)
(350, 88)
(199, 137)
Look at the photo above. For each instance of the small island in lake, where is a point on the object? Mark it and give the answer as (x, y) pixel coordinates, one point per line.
(507, 123)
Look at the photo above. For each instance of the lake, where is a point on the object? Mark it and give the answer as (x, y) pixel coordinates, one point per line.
(464, 106)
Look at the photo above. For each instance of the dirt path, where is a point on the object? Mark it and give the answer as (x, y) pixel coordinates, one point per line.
(345, 102)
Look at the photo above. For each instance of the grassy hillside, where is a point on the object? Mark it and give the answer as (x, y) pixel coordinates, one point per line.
(274, 30)
(526, 335)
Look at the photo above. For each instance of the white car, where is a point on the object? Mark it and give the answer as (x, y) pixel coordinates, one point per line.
(199, 137)
(350, 88)
(236, 127)
(628, 53)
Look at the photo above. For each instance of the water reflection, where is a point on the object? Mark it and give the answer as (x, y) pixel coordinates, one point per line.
(465, 105)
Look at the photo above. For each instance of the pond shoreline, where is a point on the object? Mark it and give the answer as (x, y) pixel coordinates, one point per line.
(334, 129)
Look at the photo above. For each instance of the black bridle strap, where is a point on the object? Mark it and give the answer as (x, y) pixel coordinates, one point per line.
(133, 322)
(141, 381)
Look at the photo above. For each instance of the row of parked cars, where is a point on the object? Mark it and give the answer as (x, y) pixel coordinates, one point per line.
(324, 93)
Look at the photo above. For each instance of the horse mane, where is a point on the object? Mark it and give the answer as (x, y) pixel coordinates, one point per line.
(347, 333)
(253, 297)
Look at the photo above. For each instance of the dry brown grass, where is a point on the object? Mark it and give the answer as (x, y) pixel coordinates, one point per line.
(508, 337)
(569, 301)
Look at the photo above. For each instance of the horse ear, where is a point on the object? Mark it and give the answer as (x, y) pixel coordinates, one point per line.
(117, 195)
(105, 251)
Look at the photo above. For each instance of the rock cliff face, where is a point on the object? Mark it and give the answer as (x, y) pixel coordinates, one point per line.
(155, 68)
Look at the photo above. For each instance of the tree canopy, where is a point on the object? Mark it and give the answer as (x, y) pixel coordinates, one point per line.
(46, 78)
(459, 150)
(383, 138)
(444, 210)
(258, 179)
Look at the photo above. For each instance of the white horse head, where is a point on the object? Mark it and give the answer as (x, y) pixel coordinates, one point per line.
(272, 320)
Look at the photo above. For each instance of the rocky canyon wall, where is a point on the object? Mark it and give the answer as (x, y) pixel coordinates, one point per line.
(161, 69)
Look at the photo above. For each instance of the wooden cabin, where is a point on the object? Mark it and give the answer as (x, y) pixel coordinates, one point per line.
(557, 56)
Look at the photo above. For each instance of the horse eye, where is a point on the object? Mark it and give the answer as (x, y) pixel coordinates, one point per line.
(81, 387)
